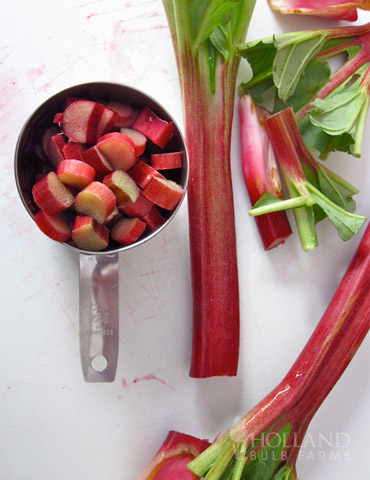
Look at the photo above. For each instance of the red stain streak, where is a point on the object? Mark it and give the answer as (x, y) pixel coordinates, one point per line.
(148, 377)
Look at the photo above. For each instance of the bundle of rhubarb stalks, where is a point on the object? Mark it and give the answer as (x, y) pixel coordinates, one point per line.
(283, 145)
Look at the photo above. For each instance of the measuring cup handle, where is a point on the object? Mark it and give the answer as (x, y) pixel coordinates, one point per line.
(99, 316)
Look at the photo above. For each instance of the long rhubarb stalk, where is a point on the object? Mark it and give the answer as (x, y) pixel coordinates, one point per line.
(279, 422)
(205, 35)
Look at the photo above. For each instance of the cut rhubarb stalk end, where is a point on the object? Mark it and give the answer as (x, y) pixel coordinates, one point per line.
(157, 130)
(118, 149)
(85, 121)
(139, 208)
(123, 186)
(164, 193)
(127, 230)
(51, 195)
(97, 201)
(169, 463)
(73, 151)
(96, 159)
(153, 219)
(55, 148)
(54, 226)
(138, 138)
(75, 173)
(142, 173)
(166, 161)
(89, 234)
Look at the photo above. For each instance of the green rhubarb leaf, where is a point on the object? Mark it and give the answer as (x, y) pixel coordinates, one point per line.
(219, 40)
(312, 177)
(337, 189)
(346, 223)
(260, 56)
(265, 462)
(315, 138)
(206, 16)
(290, 62)
(338, 113)
(315, 76)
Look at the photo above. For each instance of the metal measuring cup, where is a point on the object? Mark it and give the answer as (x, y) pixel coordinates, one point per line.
(99, 274)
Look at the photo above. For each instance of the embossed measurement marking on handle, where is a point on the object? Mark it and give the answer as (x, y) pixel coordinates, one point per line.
(99, 316)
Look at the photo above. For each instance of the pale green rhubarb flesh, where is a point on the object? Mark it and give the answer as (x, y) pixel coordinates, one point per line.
(330, 108)
(275, 427)
(205, 35)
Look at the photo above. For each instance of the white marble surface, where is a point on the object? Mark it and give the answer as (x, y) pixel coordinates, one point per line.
(53, 425)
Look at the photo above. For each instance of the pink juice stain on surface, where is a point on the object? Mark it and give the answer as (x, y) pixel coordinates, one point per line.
(145, 378)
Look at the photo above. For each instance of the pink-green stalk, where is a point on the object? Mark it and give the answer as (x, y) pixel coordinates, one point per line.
(289, 408)
(332, 9)
(305, 193)
(205, 35)
(260, 171)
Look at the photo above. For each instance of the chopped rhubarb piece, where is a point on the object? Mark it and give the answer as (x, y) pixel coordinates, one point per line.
(169, 463)
(113, 216)
(123, 186)
(124, 113)
(163, 192)
(75, 173)
(157, 130)
(139, 208)
(96, 200)
(85, 121)
(89, 234)
(51, 195)
(118, 149)
(153, 219)
(127, 230)
(142, 173)
(73, 151)
(166, 161)
(53, 226)
(97, 160)
(50, 132)
(55, 149)
(138, 138)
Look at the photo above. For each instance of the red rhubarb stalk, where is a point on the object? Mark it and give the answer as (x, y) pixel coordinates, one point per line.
(261, 172)
(205, 35)
(284, 415)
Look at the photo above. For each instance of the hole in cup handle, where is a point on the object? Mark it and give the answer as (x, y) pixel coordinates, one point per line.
(99, 316)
